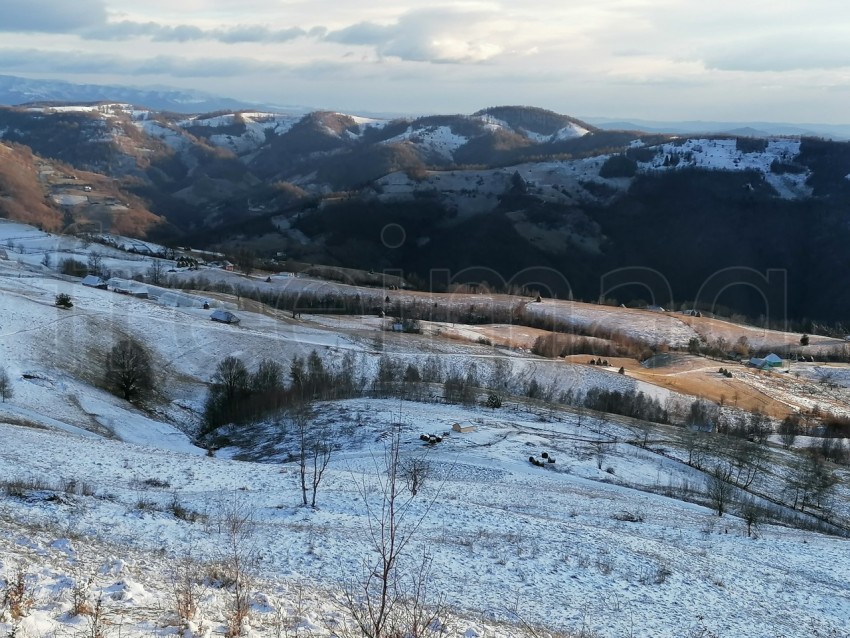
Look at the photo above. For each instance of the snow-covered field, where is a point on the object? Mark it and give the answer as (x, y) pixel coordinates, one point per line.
(566, 557)
(648, 326)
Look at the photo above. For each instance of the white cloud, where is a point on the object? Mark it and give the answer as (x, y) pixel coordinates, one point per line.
(772, 53)
(446, 34)
(610, 57)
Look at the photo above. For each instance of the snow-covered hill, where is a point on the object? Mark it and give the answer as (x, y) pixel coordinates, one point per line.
(102, 500)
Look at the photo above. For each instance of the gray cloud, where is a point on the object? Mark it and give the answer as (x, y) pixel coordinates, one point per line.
(422, 36)
(126, 29)
(257, 34)
(50, 16)
(367, 33)
(77, 63)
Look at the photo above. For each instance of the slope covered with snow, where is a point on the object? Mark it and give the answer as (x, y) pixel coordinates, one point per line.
(587, 552)
(725, 155)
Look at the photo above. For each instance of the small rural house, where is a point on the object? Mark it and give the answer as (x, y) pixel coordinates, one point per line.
(224, 316)
(128, 287)
(93, 281)
(770, 361)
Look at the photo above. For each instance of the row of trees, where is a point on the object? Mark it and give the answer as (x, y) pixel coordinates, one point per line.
(238, 395)
(809, 483)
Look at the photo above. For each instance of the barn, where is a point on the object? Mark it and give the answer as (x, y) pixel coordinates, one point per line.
(768, 362)
(93, 281)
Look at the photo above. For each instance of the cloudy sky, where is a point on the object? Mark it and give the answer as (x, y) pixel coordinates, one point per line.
(779, 61)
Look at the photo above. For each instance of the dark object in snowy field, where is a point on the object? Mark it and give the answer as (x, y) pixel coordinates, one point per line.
(551, 459)
(224, 316)
(545, 455)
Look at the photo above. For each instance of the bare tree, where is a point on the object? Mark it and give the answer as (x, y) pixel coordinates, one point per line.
(315, 446)
(156, 272)
(752, 515)
(95, 263)
(811, 481)
(500, 374)
(718, 487)
(387, 602)
(698, 446)
(268, 377)
(6, 391)
(246, 258)
(128, 370)
(600, 451)
(231, 377)
(788, 430)
(746, 460)
(228, 390)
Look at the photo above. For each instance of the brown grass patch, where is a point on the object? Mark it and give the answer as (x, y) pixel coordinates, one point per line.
(699, 378)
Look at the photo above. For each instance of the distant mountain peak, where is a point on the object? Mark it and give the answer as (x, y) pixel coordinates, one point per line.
(16, 91)
(534, 119)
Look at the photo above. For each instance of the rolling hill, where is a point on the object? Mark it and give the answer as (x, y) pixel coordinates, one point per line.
(495, 196)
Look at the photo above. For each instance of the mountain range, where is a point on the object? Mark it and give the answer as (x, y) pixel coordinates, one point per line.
(505, 196)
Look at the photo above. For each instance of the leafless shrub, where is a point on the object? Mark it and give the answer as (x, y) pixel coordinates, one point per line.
(17, 594)
(415, 473)
(218, 575)
(21, 487)
(155, 483)
(76, 487)
(80, 604)
(178, 510)
(186, 589)
(239, 559)
(143, 504)
(97, 622)
(604, 562)
(655, 575)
